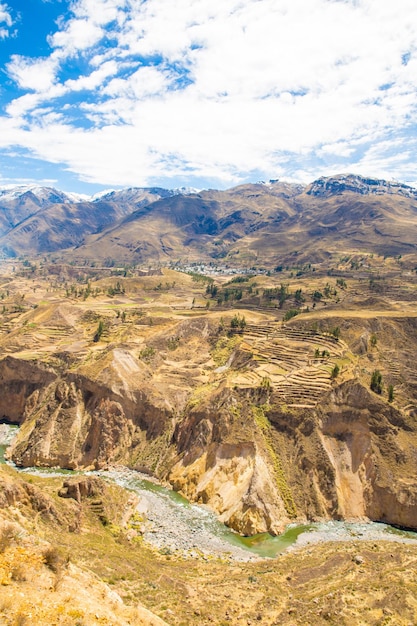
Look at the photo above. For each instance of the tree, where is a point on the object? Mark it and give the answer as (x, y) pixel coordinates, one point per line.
(390, 393)
(335, 371)
(99, 331)
(336, 332)
(376, 381)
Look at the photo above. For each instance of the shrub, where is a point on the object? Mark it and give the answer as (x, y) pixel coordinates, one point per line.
(54, 559)
(317, 296)
(238, 322)
(147, 353)
(173, 343)
(266, 383)
(8, 535)
(291, 313)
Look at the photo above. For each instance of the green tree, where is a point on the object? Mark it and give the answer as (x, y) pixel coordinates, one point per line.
(99, 331)
(335, 371)
(376, 381)
(390, 393)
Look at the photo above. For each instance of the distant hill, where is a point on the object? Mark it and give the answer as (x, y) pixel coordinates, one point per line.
(250, 223)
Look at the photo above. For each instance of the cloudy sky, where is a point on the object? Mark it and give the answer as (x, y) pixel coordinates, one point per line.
(206, 93)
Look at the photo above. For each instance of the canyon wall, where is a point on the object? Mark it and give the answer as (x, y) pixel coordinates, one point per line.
(257, 463)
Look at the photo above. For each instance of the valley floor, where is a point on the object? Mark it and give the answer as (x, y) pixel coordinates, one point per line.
(53, 574)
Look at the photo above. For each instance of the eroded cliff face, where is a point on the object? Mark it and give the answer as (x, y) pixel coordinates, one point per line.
(20, 380)
(258, 463)
(224, 463)
(353, 457)
(77, 422)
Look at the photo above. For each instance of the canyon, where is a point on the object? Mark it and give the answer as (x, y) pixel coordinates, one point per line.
(253, 349)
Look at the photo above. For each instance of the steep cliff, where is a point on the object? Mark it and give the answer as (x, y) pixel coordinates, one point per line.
(255, 462)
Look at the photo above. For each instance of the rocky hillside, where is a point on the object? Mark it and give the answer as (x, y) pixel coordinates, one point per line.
(266, 423)
(43, 580)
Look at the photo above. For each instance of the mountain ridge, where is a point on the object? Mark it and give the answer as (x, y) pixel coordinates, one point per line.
(152, 224)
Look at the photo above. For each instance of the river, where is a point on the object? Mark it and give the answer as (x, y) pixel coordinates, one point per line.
(176, 525)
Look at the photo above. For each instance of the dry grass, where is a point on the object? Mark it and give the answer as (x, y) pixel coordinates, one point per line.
(318, 585)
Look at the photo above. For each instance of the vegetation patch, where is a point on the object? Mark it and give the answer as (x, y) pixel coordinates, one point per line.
(224, 348)
(264, 425)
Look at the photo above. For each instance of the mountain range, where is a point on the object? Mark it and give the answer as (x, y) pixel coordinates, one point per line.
(248, 224)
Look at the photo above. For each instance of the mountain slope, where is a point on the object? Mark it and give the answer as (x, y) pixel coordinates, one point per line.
(39, 219)
(248, 224)
(268, 223)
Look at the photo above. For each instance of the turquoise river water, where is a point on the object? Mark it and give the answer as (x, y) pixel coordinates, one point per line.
(168, 510)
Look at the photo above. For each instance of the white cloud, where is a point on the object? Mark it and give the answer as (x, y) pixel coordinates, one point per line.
(5, 15)
(35, 74)
(146, 81)
(6, 21)
(220, 89)
(78, 36)
(93, 80)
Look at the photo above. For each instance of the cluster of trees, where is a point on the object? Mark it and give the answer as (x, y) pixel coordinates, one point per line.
(281, 294)
(377, 386)
(116, 289)
(232, 291)
(238, 322)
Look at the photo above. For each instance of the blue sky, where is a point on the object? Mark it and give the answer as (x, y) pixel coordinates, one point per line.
(206, 93)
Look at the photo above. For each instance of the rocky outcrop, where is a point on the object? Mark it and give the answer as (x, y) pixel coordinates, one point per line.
(21, 380)
(335, 185)
(236, 482)
(81, 487)
(77, 423)
(347, 453)
(257, 463)
(20, 493)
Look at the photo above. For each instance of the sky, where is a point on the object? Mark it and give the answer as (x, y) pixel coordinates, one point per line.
(99, 94)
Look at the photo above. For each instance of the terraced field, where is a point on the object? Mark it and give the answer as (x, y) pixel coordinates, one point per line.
(297, 363)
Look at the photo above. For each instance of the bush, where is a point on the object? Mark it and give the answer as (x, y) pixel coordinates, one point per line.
(291, 313)
(147, 353)
(8, 535)
(238, 322)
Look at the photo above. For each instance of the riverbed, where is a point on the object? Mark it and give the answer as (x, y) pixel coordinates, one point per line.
(174, 525)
